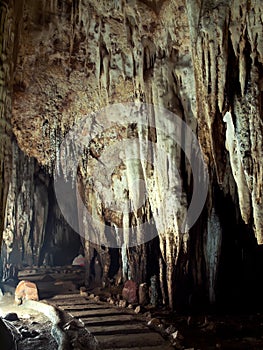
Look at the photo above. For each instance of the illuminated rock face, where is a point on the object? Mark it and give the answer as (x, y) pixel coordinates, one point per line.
(9, 24)
(130, 291)
(26, 290)
(203, 63)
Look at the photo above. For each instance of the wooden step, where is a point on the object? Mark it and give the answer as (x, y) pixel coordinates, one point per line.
(164, 346)
(68, 299)
(120, 341)
(118, 329)
(108, 320)
(71, 297)
(85, 306)
(98, 312)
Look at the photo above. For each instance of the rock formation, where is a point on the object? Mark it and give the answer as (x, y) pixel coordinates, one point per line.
(63, 60)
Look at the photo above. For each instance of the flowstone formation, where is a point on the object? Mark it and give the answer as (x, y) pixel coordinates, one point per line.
(201, 61)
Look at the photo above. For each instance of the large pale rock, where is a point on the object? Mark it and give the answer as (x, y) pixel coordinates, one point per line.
(11, 316)
(129, 292)
(26, 290)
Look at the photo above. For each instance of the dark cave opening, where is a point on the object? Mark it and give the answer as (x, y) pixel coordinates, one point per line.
(114, 262)
(239, 286)
(61, 243)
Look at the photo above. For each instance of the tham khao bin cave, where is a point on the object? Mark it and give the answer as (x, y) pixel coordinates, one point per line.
(131, 158)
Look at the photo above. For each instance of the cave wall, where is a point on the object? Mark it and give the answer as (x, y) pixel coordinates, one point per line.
(35, 232)
(10, 28)
(200, 60)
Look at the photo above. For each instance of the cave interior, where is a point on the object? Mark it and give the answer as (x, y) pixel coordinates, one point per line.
(121, 121)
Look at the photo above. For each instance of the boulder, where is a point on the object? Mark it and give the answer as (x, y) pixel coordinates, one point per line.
(26, 290)
(177, 335)
(83, 291)
(176, 340)
(154, 322)
(138, 309)
(97, 298)
(11, 316)
(79, 261)
(129, 292)
(170, 330)
(73, 325)
(111, 301)
(122, 303)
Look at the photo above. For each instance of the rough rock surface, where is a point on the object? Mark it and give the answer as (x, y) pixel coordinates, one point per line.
(143, 294)
(199, 59)
(26, 290)
(129, 292)
(7, 339)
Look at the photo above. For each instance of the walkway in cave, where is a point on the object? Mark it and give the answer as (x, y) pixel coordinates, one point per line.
(114, 328)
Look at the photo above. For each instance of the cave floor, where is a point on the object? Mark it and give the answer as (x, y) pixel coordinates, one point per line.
(242, 332)
(236, 330)
(34, 327)
(111, 326)
(120, 328)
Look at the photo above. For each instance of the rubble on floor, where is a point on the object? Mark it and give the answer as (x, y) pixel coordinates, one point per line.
(29, 329)
(195, 331)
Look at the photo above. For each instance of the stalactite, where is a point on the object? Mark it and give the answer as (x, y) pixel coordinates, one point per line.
(201, 61)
